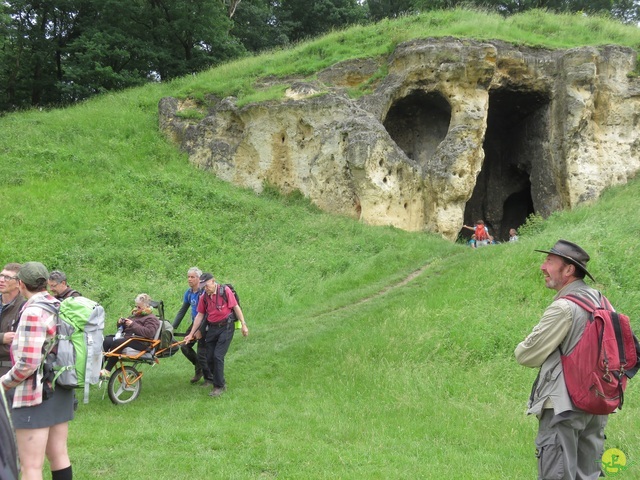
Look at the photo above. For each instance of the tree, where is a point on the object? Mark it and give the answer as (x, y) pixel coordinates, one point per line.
(510, 7)
(627, 11)
(37, 34)
(255, 26)
(61, 51)
(299, 19)
(231, 6)
(379, 9)
(190, 34)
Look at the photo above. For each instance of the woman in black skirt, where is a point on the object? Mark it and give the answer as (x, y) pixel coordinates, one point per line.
(40, 416)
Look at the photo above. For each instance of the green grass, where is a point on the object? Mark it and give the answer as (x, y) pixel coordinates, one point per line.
(349, 371)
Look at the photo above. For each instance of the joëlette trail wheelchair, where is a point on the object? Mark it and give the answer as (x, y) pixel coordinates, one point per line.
(125, 383)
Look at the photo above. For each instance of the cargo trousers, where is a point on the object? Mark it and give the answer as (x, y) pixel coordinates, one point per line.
(570, 445)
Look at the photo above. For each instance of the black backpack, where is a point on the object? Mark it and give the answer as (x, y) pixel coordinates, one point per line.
(224, 295)
(224, 292)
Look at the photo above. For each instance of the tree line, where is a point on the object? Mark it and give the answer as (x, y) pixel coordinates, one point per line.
(57, 52)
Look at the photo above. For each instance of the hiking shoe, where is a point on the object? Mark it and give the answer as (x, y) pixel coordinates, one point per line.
(216, 392)
(196, 378)
(207, 383)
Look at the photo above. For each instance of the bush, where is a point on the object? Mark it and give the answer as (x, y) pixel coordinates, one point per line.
(533, 225)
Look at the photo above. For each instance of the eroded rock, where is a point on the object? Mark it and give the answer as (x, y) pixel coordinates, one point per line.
(457, 130)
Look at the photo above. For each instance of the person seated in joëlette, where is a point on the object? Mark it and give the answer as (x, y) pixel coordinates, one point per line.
(141, 323)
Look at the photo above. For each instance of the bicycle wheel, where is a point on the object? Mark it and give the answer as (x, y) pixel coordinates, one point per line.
(124, 386)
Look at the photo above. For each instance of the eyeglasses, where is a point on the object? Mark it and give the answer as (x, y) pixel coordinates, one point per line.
(7, 277)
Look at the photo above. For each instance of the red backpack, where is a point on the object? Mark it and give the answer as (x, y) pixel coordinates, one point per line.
(594, 371)
(481, 233)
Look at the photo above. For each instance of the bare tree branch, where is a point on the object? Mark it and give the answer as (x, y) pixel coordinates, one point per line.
(231, 6)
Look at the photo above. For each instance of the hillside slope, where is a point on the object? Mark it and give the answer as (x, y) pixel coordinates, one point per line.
(350, 371)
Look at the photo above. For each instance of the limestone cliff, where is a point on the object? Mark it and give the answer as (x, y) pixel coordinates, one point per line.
(457, 130)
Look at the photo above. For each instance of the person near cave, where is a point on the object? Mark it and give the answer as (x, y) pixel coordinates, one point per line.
(481, 233)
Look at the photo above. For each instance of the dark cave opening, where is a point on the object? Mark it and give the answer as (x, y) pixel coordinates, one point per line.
(418, 123)
(515, 139)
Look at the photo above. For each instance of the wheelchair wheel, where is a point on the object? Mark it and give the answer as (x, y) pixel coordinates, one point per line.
(124, 386)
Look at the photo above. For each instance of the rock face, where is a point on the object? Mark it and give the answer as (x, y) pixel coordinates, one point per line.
(457, 130)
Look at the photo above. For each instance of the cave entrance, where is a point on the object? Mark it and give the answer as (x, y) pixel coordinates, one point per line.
(516, 138)
(418, 123)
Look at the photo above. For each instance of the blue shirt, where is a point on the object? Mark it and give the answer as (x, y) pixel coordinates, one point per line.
(192, 298)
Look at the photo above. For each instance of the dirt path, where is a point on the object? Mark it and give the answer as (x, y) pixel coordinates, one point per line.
(384, 291)
(388, 288)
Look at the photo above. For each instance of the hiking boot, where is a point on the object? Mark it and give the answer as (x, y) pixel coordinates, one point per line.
(207, 383)
(196, 378)
(217, 391)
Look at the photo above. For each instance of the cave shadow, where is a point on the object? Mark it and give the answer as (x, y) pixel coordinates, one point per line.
(418, 123)
(515, 139)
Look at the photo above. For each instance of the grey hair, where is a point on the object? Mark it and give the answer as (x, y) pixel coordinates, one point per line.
(57, 276)
(144, 298)
(195, 270)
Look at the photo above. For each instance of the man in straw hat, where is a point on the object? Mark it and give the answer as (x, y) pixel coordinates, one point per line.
(570, 442)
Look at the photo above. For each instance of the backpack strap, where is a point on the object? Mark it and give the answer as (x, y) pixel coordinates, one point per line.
(617, 328)
(48, 375)
(55, 309)
(582, 302)
(232, 315)
(586, 304)
(222, 288)
(615, 321)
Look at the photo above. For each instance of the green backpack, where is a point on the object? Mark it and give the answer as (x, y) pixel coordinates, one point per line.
(73, 358)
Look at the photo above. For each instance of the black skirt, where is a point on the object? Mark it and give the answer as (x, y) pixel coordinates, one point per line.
(57, 409)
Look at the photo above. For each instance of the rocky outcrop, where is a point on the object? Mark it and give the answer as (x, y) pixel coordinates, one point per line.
(455, 131)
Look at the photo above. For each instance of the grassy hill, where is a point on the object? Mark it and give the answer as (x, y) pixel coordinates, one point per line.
(373, 353)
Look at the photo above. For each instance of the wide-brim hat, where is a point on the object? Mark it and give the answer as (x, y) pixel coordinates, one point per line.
(204, 278)
(572, 253)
